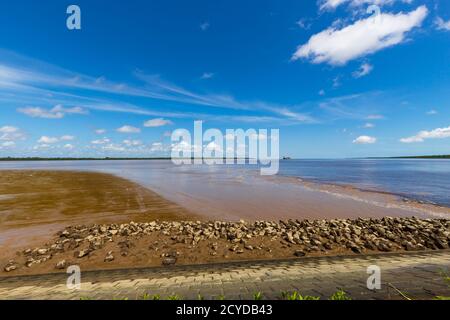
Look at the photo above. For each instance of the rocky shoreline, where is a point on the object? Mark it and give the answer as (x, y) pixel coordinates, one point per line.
(171, 242)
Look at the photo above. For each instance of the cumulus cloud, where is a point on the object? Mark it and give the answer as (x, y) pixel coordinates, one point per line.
(47, 140)
(100, 131)
(439, 133)
(432, 112)
(10, 133)
(67, 138)
(363, 70)
(114, 147)
(159, 122)
(128, 129)
(441, 24)
(57, 112)
(7, 144)
(132, 143)
(365, 140)
(101, 141)
(69, 146)
(365, 36)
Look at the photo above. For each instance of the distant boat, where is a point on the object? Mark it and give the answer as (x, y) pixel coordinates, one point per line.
(286, 158)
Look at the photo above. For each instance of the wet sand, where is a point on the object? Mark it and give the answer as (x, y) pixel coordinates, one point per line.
(34, 205)
(240, 192)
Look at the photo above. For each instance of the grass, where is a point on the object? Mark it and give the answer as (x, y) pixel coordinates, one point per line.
(340, 295)
(295, 295)
(258, 296)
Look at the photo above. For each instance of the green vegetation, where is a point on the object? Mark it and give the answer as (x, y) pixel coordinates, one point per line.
(297, 296)
(340, 295)
(258, 296)
(444, 156)
(74, 159)
(446, 278)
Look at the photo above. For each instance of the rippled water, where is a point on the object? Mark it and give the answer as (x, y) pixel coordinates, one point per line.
(421, 179)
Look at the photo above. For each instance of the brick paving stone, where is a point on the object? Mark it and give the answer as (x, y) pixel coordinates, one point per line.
(417, 274)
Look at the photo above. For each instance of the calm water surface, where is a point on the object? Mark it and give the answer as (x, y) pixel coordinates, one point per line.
(426, 180)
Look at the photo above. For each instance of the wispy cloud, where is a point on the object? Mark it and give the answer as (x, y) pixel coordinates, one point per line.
(441, 24)
(31, 81)
(207, 75)
(205, 26)
(363, 70)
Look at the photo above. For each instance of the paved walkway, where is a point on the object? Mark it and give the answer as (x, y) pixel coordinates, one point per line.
(418, 275)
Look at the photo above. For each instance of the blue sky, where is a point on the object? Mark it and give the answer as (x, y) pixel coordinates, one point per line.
(337, 81)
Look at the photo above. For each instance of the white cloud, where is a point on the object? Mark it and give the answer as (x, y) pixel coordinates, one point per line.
(41, 146)
(113, 147)
(47, 140)
(100, 131)
(207, 75)
(364, 37)
(365, 140)
(333, 4)
(432, 112)
(8, 144)
(128, 129)
(101, 141)
(441, 24)
(304, 24)
(375, 117)
(57, 112)
(9, 133)
(69, 146)
(205, 26)
(157, 147)
(159, 122)
(67, 138)
(9, 129)
(132, 143)
(439, 133)
(369, 125)
(363, 70)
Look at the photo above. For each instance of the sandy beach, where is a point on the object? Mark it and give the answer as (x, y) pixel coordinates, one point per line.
(37, 205)
(34, 205)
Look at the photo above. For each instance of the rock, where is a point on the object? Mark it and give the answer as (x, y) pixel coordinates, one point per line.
(356, 249)
(42, 251)
(61, 264)
(109, 257)
(248, 247)
(167, 261)
(81, 253)
(11, 266)
(299, 253)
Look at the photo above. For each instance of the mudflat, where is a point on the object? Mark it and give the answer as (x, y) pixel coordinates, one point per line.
(36, 204)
